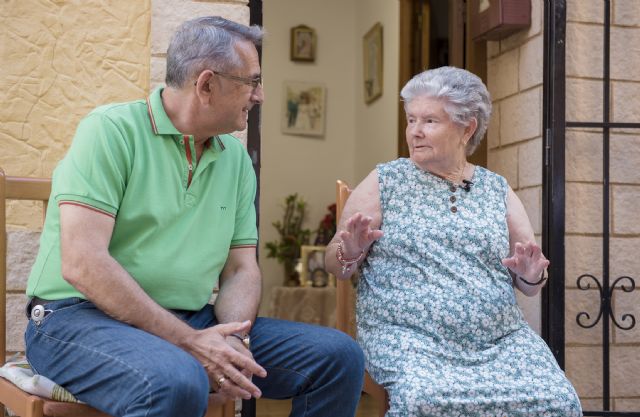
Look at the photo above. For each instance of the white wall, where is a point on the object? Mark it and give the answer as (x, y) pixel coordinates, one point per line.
(306, 165)
(356, 135)
(377, 123)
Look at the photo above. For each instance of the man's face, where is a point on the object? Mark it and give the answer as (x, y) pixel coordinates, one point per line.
(235, 93)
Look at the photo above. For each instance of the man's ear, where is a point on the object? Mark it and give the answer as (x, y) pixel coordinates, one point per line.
(203, 83)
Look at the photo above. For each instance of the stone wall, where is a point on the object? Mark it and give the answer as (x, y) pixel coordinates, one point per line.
(584, 207)
(60, 60)
(514, 79)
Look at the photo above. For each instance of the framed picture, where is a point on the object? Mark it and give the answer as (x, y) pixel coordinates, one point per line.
(313, 273)
(303, 44)
(303, 108)
(372, 64)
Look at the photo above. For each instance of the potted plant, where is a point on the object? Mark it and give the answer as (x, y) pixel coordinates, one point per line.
(286, 249)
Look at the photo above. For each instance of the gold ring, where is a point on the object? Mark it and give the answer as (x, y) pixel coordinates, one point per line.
(220, 381)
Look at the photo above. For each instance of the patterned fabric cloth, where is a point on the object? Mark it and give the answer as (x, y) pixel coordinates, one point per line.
(19, 372)
(437, 314)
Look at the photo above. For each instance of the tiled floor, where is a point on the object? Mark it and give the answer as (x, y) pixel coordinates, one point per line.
(274, 408)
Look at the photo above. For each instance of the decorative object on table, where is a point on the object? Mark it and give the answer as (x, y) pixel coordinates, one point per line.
(292, 236)
(303, 44)
(327, 227)
(312, 271)
(303, 108)
(372, 65)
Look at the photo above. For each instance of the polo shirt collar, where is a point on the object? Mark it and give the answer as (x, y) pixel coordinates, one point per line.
(160, 122)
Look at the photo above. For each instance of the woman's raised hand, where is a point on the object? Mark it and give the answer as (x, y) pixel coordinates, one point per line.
(527, 261)
(358, 235)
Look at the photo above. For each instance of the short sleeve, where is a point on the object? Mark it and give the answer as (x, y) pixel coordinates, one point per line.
(245, 231)
(95, 170)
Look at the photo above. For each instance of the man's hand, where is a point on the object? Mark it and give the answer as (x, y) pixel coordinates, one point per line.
(229, 370)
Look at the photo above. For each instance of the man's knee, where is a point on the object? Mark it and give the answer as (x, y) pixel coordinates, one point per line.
(343, 352)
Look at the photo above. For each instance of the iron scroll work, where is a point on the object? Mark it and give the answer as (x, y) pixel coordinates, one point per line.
(605, 300)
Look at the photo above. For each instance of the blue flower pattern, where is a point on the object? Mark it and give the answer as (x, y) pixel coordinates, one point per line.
(437, 315)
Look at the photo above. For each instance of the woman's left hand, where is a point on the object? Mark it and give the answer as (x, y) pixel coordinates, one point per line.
(527, 261)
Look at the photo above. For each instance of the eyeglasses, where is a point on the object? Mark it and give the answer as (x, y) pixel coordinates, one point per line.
(252, 82)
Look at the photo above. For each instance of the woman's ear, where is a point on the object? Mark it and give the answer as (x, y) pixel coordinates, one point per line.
(470, 130)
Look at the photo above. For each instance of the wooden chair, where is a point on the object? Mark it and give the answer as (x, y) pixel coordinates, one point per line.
(344, 306)
(21, 402)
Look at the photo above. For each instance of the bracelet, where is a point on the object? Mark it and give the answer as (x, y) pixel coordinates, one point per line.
(533, 284)
(246, 340)
(347, 263)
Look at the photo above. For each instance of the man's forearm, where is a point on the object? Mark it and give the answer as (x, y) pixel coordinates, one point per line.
(239, 296)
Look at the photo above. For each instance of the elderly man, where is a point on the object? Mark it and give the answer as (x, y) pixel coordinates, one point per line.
(151, 207)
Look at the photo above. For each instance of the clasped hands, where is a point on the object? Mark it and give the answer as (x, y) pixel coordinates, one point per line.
(228, 362)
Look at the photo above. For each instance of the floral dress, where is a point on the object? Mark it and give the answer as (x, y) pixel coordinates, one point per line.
(437, 314)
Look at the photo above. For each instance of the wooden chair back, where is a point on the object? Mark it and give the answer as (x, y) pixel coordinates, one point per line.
(344, 306)
(20, 402)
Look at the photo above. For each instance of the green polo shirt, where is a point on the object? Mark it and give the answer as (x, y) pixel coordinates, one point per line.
(174, 226)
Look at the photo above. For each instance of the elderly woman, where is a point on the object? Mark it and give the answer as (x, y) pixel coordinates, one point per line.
(441, 244)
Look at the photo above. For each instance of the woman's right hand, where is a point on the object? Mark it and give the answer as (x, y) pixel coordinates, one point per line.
(358, 236)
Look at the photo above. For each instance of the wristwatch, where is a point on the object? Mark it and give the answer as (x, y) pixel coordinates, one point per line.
(245, 339)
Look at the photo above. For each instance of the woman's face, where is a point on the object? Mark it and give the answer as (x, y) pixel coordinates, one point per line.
(432, 136)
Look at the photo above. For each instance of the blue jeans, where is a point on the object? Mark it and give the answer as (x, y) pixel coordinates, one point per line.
(125, 371)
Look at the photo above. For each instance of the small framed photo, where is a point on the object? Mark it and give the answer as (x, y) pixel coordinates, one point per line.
(303, 109)
(303, 44)
(372, 64)
(313, 273)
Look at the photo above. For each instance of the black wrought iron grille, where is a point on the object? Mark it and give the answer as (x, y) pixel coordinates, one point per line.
(554, 202)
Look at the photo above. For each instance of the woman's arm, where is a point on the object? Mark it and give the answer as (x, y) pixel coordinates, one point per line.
(526, 261)
(357, 230)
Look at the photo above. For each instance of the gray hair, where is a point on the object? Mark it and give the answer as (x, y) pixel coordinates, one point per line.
(464, 95)
(206, 42)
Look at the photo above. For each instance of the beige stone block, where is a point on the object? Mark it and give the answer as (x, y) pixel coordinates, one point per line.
(585, 11)
(626, 304)
(520, 37)
(531, 66)
(530, 307)
(158, 71)
(583, 100)
(626, 101)
(505, 162)
(624, 154)
(521, 116)
(583, 156)
(22, 248)
(626, 13)
(583, 208)
(590, 404)
(584, 50)
(502, 75)
(626, 216)
(582, 306)
(625, 371)
(25, 214)
(16, 322)
(583, 255)
(624, 259)
(626, 404)
(625, 52)
(532, 200)
(493, 130)
(584, 369)
(493, 48)
(167, 15)
(530, 163)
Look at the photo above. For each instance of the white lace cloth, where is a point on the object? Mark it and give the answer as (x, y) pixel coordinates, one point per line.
(19, 372)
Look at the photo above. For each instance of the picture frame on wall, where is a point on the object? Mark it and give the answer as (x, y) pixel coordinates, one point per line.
(303, 44)
(303, 108)
(372, 63)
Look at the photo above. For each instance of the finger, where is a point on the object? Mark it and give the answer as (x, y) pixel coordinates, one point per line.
(243, 362)
(536, 252)
(375, 235)
(230, 389)
(241, 383)
(227, 329)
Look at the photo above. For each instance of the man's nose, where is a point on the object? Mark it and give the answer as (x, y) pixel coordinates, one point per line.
(257, 96)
